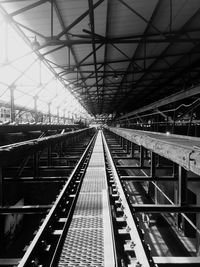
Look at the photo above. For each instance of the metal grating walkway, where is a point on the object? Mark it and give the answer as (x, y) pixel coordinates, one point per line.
(89, 239)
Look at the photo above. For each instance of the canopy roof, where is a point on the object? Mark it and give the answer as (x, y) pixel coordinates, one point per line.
(114, 55)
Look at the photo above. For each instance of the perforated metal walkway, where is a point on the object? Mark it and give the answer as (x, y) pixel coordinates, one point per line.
(89, 239)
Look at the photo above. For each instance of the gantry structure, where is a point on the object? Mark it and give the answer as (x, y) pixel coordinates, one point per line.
(125, 192)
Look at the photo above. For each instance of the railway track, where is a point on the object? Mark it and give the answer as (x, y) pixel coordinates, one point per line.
(90, 223)
(169, 245)
(93, 222)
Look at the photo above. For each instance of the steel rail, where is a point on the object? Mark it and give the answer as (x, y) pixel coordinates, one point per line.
(45, 246)
(162, 208)
(141, 250)
(179, 149)
(13, 151)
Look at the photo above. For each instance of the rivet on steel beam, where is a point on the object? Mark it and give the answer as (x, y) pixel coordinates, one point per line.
(138, 264)
(128, 229)
(124, 217)
(44, 244)
(132, 244)
(148, 246)
(56, 216)
(50, 228)
(35, 263)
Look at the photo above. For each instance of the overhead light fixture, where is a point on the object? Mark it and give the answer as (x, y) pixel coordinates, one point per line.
(35, 44)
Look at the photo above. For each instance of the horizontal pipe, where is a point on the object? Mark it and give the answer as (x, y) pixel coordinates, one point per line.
(176, 260)
(148, 178)
(153, 208)
(25, 209)
(35, 180)
(122, 167)
(12, 152)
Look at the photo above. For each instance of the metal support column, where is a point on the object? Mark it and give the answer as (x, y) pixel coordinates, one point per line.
(64, 119)
(141, 164)
(60, 149)
(1, 187)
(35, 165)
(12, 103)
(50, 156)
(124, 143)
(121, 142)
(58, 114)
(182, 185)
(127, 146)
(153, 174)
(132, 150)
(35, 108)
(49, 111)
(153, 164)
(2, 222)
(198, 226)
(175, 170)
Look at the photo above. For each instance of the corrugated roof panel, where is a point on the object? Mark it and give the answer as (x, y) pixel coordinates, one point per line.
(125, 22)
(119, 65)
(70, 11)
(100, 14)
(39, 19)
(82, 51)
(183, 48)
(114, 54)
(15, 6)
(155, 49)
(100, 53)
(182, 11)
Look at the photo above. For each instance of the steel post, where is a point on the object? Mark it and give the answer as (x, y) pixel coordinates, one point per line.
(49, 111)
(49, 155)
(58, 114)
(153, 165)
(35, 165)
(132, 150)
(1, 188)
(12, 103)
(141, 163)
(182, 186)
(35, 107)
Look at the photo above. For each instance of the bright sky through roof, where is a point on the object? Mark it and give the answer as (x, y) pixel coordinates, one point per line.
(20, 66)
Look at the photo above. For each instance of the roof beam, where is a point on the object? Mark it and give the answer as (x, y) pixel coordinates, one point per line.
(105, 51)
(76, 21)
(90, 54)
(121, 72)
(24, 9)
(148, 22)
(138, 59)
(30, 30)
(53, 50)
(158, 58)
(112, 41)
(165, 101)
(140, 43)
(60, 18)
